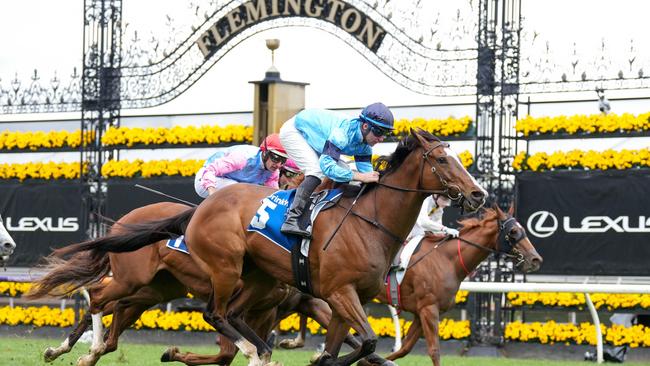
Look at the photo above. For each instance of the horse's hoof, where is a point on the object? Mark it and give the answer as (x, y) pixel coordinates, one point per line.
(389, 363)
(274, 363)
(169, 354)
(290, 344)
(325, 359)
(86, 360)
(49, 355)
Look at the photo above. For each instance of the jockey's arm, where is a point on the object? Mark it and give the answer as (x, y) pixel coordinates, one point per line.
(221, 167)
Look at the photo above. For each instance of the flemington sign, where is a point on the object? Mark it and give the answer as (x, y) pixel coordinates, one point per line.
(337, 12)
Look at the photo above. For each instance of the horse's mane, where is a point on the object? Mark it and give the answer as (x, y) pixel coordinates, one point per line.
(388, 164)
(485, 214)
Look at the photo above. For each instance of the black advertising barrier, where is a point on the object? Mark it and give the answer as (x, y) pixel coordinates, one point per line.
(124, 196)
(40, 215)
(588, 222)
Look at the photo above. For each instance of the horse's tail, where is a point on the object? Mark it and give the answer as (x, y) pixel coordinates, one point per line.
(64, 277)
(89, 261)
(132, 236)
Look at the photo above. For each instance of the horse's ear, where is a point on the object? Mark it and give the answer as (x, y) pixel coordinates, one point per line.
(416, 133)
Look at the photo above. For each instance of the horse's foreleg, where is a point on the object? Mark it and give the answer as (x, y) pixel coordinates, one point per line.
(429, 316)
(412, 336)
(345, 302)
(336, 332)
(223, 285)
(51, 354)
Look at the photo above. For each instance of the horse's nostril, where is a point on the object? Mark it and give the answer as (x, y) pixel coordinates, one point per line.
(478, 195)
(8, 245)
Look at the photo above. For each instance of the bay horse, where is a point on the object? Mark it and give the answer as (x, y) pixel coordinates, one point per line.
(348, 274)
(436, 270)
(7, 244)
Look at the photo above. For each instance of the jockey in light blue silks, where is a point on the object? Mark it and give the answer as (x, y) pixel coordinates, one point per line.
(316, 138)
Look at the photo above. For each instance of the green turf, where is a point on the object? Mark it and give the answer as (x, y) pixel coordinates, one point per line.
(27, 351)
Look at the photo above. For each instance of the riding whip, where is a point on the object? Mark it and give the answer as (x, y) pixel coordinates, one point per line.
(166, 195)
(327, 243)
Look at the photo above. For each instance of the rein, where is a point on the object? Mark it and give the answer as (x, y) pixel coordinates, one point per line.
(375, 222)
(510, 243)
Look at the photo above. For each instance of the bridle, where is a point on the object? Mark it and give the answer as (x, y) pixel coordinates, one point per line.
(507, 248)
(375, 222)
(446, 185)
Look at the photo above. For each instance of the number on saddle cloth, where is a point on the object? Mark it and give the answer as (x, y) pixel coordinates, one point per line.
(178, 244)
(269, 217)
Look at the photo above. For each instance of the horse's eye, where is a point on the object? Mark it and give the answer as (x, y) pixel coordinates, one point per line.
(442, 160)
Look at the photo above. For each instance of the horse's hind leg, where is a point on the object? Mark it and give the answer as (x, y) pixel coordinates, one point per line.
(99, 297)
(225, 357)
(255, 286)
(51, 354)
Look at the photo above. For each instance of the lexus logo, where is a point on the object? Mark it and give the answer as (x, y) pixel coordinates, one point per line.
(542, 224)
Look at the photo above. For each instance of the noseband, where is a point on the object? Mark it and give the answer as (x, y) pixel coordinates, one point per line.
(506, 244)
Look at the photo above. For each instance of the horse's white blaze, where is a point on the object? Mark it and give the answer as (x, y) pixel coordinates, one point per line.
(452, 153)
(7, 243)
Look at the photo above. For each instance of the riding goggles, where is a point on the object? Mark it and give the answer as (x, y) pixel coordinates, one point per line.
(288, 173)
(380, 131)
(277, 158)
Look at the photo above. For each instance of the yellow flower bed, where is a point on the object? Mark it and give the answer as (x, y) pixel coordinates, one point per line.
(193, 321)
(609, 301)
(37, 316)
(595, 123)
(49, 170)
(189, 135)
(14, 288)
(178, 135)
(583, 333)
(42, 140)
(578, 159)
(440, 127)
(154, 168)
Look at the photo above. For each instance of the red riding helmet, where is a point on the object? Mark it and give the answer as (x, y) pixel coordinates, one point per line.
(272, 143)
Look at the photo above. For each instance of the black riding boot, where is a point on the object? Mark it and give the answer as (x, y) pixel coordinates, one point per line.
(294, 224)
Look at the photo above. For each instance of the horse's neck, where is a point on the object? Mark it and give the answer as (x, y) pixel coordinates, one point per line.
(396, 210)
(471, 255)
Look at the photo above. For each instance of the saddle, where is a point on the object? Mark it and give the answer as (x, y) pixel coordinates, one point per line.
(269, 218)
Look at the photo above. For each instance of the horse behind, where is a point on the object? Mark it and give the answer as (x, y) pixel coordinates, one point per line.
(436, 270)
(7, 244)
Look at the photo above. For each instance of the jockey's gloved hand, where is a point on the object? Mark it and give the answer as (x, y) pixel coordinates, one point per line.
(451, 232)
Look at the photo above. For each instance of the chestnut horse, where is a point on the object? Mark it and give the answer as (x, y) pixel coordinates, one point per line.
(7, 244)
(436, 270)
(348, 274)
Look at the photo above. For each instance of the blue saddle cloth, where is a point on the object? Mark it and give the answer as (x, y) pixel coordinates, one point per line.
(178, 244)
(270, 216)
